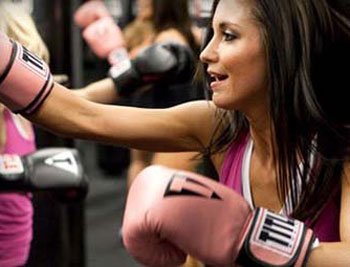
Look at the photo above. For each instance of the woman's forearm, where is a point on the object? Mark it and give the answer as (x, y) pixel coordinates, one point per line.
(64, 113)
(335, 254)
(69, 115)
(102, 91)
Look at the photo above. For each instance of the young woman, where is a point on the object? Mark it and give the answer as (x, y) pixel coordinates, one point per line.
(278, 110)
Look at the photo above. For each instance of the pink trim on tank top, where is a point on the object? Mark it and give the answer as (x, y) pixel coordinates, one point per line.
(231, 169)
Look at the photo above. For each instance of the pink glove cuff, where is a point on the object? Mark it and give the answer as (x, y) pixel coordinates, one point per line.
(272, 239)
(89, 12)
(25, 80)
(120, 62)
(103, 36)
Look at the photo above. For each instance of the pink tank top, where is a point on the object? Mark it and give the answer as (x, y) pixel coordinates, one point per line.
(326, 227)
(16, 210)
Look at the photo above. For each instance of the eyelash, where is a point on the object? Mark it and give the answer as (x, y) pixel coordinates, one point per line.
(228, 36)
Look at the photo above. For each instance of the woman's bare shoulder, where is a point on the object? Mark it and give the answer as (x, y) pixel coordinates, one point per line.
(170, 35)
(198, 117)
(197, 108)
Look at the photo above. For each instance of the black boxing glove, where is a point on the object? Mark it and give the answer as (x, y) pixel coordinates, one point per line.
(58, 170)
(168, 62)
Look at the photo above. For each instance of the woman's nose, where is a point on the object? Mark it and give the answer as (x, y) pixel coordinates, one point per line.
(209, 53)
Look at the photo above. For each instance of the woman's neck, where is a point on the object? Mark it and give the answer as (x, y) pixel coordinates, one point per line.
(261, 134)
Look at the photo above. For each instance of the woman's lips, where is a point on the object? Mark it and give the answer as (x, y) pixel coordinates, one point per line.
(216, 80)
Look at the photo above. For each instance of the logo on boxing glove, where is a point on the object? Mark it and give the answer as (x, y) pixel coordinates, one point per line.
(32, 62)
(64, 161)
(11, 164)
(181, 185)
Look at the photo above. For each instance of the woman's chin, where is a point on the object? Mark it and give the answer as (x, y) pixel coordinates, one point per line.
(220, 102)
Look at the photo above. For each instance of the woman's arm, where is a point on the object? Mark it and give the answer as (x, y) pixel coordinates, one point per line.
(171, 63)
(337, 254)
(185, 127)
(102, 91)
(330, 254)
(28, 88)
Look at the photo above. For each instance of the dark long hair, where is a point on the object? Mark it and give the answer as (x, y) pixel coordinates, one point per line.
(174, 14)
(307, 43)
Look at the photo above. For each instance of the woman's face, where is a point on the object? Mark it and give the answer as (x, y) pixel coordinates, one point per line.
(144, 9)
(236, 58)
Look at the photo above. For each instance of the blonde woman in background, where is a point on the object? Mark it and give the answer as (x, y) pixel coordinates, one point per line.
(17, 137)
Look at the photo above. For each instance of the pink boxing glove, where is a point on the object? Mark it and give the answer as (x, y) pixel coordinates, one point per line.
(103, 37)
(89, 12)
(25, 79)
(171, 213)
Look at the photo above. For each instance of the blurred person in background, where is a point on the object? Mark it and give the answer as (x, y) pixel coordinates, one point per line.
(17, 137)
(167, 22)
(156, 22)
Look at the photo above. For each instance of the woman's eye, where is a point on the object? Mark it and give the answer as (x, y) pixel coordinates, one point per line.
(228, 36)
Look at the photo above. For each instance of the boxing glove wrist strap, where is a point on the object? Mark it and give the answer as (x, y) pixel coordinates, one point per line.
(26, 80)
(272, 239)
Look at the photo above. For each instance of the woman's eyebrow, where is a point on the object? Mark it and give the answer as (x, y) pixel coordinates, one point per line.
(226, 24)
